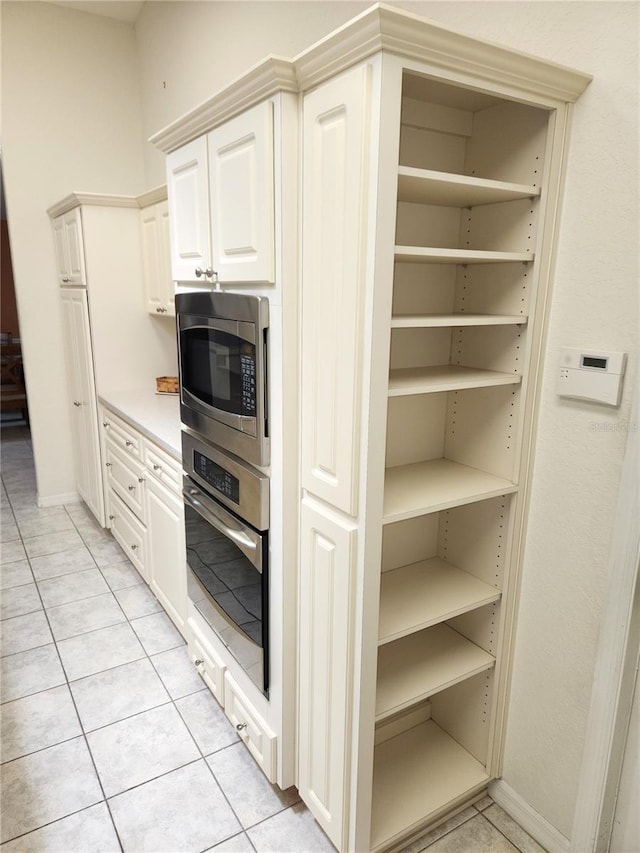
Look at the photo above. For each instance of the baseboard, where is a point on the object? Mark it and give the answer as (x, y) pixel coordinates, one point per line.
(528, 818)
(59, 500)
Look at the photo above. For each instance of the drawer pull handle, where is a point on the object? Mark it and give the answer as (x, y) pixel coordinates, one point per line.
(241, 726)
(134, 547)
(198, 662)
(132, 488)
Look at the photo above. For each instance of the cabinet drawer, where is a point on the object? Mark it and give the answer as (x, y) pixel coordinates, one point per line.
(126, 478)
(210, 668)
(121, 434)
(162, 466)
(129, 532)
(252, 729)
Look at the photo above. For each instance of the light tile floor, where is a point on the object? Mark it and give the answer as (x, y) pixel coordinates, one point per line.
(110, 741)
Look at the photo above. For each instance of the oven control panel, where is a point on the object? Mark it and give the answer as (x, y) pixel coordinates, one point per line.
(217, 477)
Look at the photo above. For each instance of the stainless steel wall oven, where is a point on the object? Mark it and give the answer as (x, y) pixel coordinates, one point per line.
(226, 523)
(222, 362)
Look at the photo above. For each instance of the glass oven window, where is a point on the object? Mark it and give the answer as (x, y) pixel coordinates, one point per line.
(219, 369)
(227, 575)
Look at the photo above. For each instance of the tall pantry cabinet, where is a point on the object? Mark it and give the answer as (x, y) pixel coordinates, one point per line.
(431, 182)
(111, 342)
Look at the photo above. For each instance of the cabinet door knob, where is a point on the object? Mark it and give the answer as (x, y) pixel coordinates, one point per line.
(131, 488)
(241, 726)
(77, 403)
(112, 518)
(65, 278)
(198, 662)
(157, 467)
(209, 272)
(199, 272)
(141, 479)
(134, 547)
(128, 443)
(105, 424)
(107, 464)
(161, 310)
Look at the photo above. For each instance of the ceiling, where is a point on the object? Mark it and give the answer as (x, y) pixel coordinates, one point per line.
(122, 10)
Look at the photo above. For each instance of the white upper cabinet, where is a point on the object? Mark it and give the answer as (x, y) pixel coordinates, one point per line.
(187, 188)
(221, 202)
(333, 234)
(67, 235)
(156, 259)
(242, 203)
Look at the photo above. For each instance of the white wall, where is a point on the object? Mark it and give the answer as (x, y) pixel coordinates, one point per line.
(195, 51)
(71, 121)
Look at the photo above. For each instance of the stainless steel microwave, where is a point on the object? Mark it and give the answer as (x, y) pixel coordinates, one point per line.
(222, 362)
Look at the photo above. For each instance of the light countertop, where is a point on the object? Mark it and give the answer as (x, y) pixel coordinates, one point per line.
(157, 416)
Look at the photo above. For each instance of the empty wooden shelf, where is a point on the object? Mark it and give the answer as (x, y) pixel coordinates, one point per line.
(434, 255)
(425, 186)
(445, 377)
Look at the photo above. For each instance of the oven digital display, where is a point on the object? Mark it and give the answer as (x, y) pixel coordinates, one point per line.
(217, 477)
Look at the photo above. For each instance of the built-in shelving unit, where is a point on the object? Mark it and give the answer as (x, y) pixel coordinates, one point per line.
(458, 355)
(420, 334)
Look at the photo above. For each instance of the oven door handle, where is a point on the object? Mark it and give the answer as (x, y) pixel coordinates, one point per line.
(236, 536)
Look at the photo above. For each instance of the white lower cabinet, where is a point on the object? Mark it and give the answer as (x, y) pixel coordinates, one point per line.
(129, 532)
(210, 667)
(167, 573)
(328, 544)
(252, 729)
(146, 514)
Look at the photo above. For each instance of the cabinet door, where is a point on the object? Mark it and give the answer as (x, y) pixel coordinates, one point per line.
(164, 258)
(156, 259)
(166, 550)
(328, 551)
(242, 196)
(67, 238)
(150, 237)
(333, 282)
(188, 192)
(84, 414)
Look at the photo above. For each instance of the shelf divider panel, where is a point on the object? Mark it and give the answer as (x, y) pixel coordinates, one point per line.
(432, 255)
(422, 664)
(426, 321)
(445, 377)
(424, 487)
(424, 186)
(422, 594)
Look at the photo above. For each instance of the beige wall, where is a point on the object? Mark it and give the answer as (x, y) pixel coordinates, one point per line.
(71, 121)
(188, 50)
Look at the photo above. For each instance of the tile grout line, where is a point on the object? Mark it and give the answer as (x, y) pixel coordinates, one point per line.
(83, 735)
(171, 700)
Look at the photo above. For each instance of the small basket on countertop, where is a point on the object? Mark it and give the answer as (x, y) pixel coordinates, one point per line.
(167, 384)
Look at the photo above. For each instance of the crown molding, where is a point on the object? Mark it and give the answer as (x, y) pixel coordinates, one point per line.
(152, 196)
(274, 74)
(383, 28)
(94, 199)
(410, 36)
